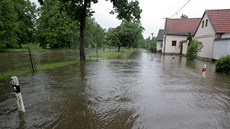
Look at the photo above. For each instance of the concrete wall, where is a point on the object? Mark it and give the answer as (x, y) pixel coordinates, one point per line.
(206, 35)
(168, 43)
(221, 48)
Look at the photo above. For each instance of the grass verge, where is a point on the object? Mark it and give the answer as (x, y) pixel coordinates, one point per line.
(34, 47)
(125, 53)
(24, 71)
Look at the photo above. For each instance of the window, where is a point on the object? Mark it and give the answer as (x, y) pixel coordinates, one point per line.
(173, 43)
(202, 24)
(206, 23)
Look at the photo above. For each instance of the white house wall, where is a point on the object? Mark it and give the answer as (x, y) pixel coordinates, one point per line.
(185, 48)
(207, 50)
(168, 45)
(206, 35)
(159, 45)
(221, 48)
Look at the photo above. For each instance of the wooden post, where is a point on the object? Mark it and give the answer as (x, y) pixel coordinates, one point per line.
(31, 60)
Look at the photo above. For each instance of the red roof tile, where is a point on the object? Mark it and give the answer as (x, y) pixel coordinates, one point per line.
(181, 26)
(220, 20)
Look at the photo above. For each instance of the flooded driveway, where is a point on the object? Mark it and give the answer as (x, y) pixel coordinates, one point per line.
(147, 91)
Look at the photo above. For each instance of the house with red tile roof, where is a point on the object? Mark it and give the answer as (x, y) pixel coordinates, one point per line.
(214, 33)
(176, 32)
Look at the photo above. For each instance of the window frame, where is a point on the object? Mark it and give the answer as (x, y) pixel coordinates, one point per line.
(174, 42)
(202, 24)
(206, 23)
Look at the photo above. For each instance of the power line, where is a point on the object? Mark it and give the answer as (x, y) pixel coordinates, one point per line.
(175, 7)
(161, 25)
(180, 8)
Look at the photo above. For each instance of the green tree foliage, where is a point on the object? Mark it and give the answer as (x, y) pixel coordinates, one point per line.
(153, 45)
(223, 65)
(184, 16)
(126, 10)
(55, 28)
(193, 49)
(189, 38)
(150, 44)
(80, 9)
(113, 37)
(26, 20)
(17, 22)
(128, 34)
(95, 34)
(8, 24)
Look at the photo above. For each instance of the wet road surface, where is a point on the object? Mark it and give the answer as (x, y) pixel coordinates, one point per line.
(147, 91)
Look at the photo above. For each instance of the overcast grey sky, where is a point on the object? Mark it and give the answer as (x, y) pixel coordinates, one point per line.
(154, 12)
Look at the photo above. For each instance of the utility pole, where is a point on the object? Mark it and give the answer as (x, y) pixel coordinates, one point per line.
(152, 35)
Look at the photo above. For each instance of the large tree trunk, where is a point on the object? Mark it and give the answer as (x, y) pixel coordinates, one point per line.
(82, 30)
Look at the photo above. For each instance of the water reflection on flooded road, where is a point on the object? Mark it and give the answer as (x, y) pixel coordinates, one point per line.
(147, 91)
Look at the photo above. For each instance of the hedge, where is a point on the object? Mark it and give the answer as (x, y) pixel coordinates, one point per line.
(223, 65)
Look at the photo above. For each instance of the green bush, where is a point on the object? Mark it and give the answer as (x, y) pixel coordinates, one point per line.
(153, 49)
(153, 46)
(223, 65)
(193, 49)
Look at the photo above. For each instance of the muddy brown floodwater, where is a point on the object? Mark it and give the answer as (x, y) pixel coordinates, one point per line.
(146, 91)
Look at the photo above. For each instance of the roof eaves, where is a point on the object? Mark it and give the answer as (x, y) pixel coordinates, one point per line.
(200, 22)
(220, 39)
(211, 21)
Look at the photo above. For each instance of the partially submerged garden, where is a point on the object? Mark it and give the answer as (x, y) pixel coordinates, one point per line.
(60, 24)
(56, 25)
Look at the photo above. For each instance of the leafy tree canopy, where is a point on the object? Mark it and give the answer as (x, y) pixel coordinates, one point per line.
(56, 29)
(26, 20)
(17, 22)
(80, 9)
(95, 34)
(128, 34)
(8, 24)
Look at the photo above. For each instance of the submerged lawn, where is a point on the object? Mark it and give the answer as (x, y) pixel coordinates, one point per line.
(24, 71)
(125, 53)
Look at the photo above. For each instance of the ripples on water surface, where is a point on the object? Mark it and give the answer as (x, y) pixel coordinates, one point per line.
(147, 91)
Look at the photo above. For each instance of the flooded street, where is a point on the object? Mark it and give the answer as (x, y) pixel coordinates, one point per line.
(146, 91)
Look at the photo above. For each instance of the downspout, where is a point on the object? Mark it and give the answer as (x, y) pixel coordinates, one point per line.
(164, 43)
(213, 47)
